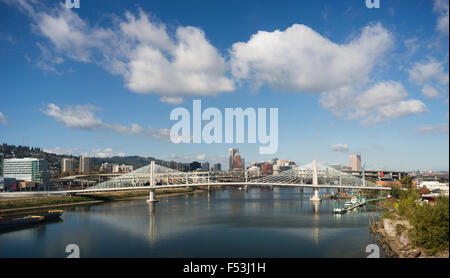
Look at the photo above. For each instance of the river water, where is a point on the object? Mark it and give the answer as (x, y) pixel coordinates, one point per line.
(225, 223)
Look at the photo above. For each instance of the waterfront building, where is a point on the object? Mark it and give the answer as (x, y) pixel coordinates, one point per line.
(85, 164)
(67, 165)
(27, 169)
(7, 184)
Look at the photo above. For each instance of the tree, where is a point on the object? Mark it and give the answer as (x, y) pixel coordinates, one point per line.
(406, 181)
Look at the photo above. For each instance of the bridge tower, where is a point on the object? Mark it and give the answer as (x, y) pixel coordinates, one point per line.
(151, 197)
(315, 183)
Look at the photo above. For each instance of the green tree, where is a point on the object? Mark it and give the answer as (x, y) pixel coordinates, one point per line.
(406, 181)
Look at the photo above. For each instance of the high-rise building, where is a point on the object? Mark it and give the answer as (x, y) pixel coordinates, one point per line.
(217, 167)
(67, 165)
(355, 162)
(107, 167)
(85, 164)
(205, 166)
(194, 166)
(237, 163)
(231, 153)
(27, 169)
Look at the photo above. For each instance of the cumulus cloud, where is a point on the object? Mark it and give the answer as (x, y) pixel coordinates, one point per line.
(142, 50)
(378, 103)
(75, 117)
(3, 119)
(132, 130)
(186, 65)
(431, 71)
(342, 148)
(300, 59)
(429, 92)
(162, 134)
(433, 129)
(83, 117)
(441, 7)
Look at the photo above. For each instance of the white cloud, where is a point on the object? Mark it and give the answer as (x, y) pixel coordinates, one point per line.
(429, 91)
(433, 129)
(75, 117)
(60, 151)
(172, 100)
(200, 157)
(442, 8)
(428, 71)
(342, 148)
(3, 119)
(150, 59)
(382, 101)
(191, 67)
(162, 134)
(133, 130)
(300, 59)
(102, 153)
(402, 108)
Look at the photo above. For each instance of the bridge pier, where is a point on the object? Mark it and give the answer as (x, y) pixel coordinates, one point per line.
(151, 196)
(315, 197)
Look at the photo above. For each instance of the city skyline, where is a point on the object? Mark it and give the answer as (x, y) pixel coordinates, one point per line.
(385, 98)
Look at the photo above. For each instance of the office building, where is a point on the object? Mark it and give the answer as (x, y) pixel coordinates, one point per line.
(85, 164)
(205, 166)
(27, 169)
(7, 184)
(267, 169)
(231, 153)
(194, 166)
(217, 167)
(355, 162)
(67, 165)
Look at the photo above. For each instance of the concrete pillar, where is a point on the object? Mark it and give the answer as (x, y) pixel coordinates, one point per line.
(151, 197)
(315, 197)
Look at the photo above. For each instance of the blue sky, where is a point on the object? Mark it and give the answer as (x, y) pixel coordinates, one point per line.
(103, 79)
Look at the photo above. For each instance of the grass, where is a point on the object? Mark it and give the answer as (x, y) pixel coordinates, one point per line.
(58, 200)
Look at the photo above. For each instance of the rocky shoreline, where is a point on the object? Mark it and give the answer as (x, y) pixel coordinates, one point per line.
(393, 238)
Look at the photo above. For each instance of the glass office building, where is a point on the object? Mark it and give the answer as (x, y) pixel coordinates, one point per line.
(27, 169)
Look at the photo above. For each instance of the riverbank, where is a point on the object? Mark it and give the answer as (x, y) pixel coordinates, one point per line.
(13, 205)
(401, 238)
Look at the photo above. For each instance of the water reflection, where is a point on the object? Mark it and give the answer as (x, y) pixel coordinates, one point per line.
(224, 223)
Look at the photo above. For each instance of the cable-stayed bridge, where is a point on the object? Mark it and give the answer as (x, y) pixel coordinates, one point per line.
(151, 177)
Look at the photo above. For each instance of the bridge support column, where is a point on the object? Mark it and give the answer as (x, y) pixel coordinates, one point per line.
(151, 196)
(315, 197)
